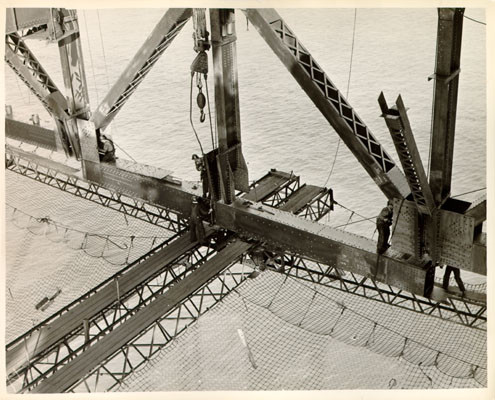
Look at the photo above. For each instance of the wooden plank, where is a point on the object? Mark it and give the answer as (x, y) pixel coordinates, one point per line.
(86, 309)
(76, 369)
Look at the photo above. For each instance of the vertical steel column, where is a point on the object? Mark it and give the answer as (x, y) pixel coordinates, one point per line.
(449, 38)
(233, 168)
(66, 32)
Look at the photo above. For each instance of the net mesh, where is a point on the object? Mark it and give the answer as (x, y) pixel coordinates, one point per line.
(298, 335)
(307, 338)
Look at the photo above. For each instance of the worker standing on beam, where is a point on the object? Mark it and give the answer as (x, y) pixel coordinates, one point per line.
(197, 230)
(201, 167)
(457, 276)
(383, 223)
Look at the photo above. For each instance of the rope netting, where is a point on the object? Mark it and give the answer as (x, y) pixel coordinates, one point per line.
(306, 338)
(54, 241)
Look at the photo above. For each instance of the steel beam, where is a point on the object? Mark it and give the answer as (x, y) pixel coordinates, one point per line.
(51, 333)
(69, 180)
(448, 58)
(403, 138)
(329, 101)
(233, 168)
(159, 40)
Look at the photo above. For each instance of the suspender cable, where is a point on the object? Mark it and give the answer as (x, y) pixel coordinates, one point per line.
(346, 95)
(91, 56)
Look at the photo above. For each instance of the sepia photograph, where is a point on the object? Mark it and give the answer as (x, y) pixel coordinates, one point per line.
(246, 199)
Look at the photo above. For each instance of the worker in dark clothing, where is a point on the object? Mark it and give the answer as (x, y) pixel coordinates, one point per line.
(383, 222)
(106, 149)
(426, 260)
(457, 276)
(200, 166)
(197, 230)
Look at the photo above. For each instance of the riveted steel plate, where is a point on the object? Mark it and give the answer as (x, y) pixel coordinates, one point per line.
(405, 227)
(87, 138)
(455, 239)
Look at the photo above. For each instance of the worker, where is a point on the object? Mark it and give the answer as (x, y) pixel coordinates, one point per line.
(383, 222)
(457, 276)
(197, 230)
(107, 149)
(200, 166)
(426, 260)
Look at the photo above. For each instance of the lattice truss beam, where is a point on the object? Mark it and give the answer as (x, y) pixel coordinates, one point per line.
(66, 181)
(127, 303)
(455, 309)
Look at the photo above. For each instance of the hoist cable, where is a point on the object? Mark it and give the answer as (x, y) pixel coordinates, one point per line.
(103, 49)
(475, 20)
(471, 191)
(128, 155)
(346, 96)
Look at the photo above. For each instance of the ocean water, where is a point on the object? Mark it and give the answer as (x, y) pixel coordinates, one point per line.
(394, 52)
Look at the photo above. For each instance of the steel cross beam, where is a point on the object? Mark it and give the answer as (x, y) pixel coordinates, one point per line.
(159, 40)
(29, 70)
(449, 40)
(329, 101)
(401, 132)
